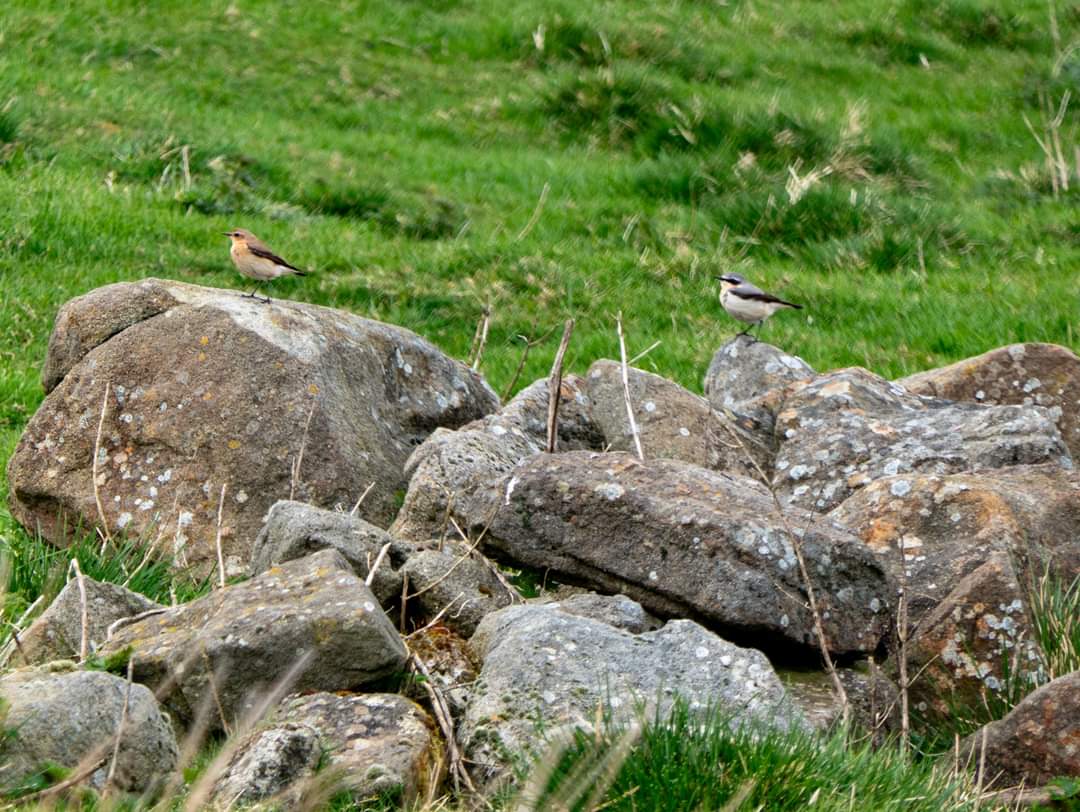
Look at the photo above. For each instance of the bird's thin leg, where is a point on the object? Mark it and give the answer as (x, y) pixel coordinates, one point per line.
(252, 294)
(744, 332)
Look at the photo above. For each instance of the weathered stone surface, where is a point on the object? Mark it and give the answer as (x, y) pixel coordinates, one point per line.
(951, 524)
(541, 664)
(614, 610)
(1033, 374)
(294, 530)
(66, 717)
(57, 633)
(460, 581)
(673, 423)
(684, 542)
(963, 646)
(843, 430)
(248, 636)
(450, 465)
(208, 387)
(748, 377)
(1037, 741)
(268, 762)
(372, 743)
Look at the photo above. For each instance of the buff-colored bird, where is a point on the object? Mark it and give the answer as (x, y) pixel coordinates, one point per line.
(254, 259)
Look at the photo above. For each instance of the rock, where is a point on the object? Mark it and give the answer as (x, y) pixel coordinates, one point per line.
(57, 633)
(684, 542)
(1031, 374)
(841, 431)
(374, 743)
(71, 717)
(618, 611)
(747, 376)
(873, 699)
(964, 645)
(268, 762)
(544, 667)
(459, 579)
(294, 530)
(1036, 742)
(248, 636)
(450, 465)
(207, 388)
(952, 524)
(673, 423)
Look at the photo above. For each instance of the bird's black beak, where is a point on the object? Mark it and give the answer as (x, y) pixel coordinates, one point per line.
(227, 233)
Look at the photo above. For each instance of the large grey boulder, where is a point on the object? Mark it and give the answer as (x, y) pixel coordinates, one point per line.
(673, 423)
(57, 633)
(207, 388)
(841, 431)
(231, 647)
(450, 465)
(367, 743)
(685, 542)
(294, 530)
(459, 583)
(71, 718)
(1036, 741)
(1030, 374)
(748, 377)
(545, 668)
(615, 610)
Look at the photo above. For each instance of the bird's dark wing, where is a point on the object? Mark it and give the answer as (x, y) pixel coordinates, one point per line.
(270, 255)
(755, 294)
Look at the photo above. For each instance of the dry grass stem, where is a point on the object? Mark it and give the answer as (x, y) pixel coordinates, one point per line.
(120, 728)
(84, 616)
(217, 538)
(902, 634)
(441, 710)
(294, 477)
(13, 644)
(645, 351)
(105, 536)
(435, 620)
(378, 560)
(211, 678)
(529, 344)
(555, 388)
(481, 338)
(126, 621)
(363, 496)
(626, 389)
(537, 211)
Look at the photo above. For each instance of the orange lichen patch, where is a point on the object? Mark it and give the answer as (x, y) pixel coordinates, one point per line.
(208, 396)
(313, 389)
(202, 356)
(233, 445)
(880, 535)
(835, 388)
(204, 340)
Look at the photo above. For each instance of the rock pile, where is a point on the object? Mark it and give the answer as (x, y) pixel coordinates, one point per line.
(781, 481)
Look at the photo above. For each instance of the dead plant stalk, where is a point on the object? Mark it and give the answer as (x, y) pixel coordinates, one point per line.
(626, 389)
(105, 537)
(555, 388)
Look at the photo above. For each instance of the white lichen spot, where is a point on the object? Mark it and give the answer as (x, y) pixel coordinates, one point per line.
(153, 492)
(124, 520)
(685, 432)
(701, 652)
(147, 504)
(650, 406)
(725, 660)
(510, 489)
(162, 406)
(892, 468)
(241, 497)
(875, 605)
(185, 518)
(785, 621)
(369, 606)
(498, 430)
(165, 476)
(1032, 384)
(126, 417)
(901, 487)
(653, 576)
(980, 395)
(610, 490)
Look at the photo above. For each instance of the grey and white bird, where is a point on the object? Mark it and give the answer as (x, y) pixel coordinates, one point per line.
(254, 259)
(748, 303)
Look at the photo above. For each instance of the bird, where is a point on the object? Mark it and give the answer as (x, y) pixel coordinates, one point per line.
(748, 303)
(254, 259)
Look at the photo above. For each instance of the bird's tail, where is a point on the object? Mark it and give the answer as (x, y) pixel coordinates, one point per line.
(298, 272)
(792, 305)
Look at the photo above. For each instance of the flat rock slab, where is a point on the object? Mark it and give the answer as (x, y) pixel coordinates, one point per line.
(684, 542)
(57, 633)
(841, 431)
(207, 388)
(370, 743)
(1031, 374)
(71, 717)
(232, 646)
(673, 422)
(1037, 741)
(544, 667)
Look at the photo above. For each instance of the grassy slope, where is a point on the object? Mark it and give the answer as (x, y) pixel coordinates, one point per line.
(401, 148)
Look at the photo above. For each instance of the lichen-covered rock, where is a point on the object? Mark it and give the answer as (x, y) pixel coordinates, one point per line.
(70, 718)
(457, 580)
(294, 530)
(233, 645)
(367, 743)
(615, 610)
(962, 647)
(747, 376)
(450, 465)
(841, 431)
(684, 542)
(1030, 374)
(1037, 741)
(206, 388)
(57, 633)
(673, 423)
(951, 524)
(544, 667)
